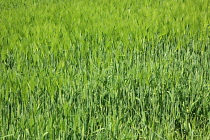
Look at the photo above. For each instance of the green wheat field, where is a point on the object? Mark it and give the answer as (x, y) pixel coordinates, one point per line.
(104, 69)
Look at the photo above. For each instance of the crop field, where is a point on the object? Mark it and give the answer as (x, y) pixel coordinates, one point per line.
(105, 69)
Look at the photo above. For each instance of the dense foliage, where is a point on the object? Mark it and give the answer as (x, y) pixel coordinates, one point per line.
(111, 69)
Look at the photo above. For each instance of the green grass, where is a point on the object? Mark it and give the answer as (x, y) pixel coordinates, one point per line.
(112, 69)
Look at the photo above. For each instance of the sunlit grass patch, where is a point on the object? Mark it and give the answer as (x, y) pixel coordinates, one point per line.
(104, 70)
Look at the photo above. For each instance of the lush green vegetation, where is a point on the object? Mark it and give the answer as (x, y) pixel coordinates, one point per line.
(111, 69)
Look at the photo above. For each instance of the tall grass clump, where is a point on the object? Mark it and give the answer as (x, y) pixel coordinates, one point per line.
(113, 69)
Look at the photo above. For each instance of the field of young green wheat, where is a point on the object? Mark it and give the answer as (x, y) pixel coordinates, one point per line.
(105, 69)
